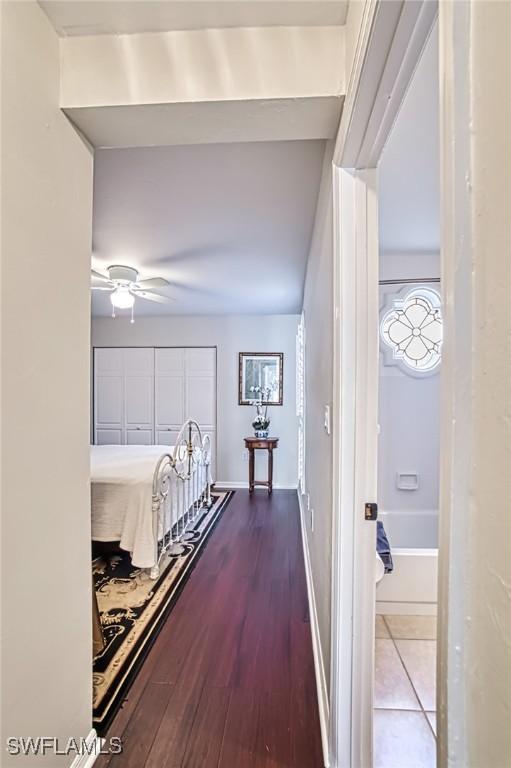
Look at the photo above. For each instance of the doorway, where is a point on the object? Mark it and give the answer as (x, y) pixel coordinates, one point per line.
(361, 305)
(410, 339)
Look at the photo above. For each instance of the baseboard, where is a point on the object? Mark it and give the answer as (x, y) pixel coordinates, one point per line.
(319, 665)
(406, 609)
(93, 748)
(235, 485)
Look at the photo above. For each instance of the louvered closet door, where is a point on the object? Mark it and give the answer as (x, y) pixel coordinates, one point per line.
(108, 396)
(169, 388)
(139, 395)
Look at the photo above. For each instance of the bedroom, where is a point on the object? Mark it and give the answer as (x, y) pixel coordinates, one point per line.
(219, 237)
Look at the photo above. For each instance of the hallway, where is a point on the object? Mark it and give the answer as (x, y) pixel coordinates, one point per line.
(230, 679)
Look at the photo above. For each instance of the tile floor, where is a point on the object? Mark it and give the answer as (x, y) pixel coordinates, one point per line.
(404, 697)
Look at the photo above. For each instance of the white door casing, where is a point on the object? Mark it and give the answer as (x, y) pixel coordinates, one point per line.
(390, 41)
(355, 466)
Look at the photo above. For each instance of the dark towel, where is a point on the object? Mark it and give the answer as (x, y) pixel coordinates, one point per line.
(383, 547)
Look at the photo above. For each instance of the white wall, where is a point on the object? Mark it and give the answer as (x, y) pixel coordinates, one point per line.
(474, 704)
(46, 235)
(409, 416)
(318, 302)
(242, 63)
(204, 85)
(408, 171)
(231, 334)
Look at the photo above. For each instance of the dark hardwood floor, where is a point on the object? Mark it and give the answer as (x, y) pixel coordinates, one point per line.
(230, 680)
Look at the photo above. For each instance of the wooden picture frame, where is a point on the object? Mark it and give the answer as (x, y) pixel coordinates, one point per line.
(260, 369)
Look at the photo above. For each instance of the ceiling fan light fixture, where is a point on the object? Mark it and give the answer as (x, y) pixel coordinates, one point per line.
(122, 298)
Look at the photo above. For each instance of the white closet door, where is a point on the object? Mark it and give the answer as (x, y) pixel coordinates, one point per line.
(143, 395)
(166, 436)
(139, 436)
(108, 396)
(138, 361)
(124, 396)
(108, 436)
(139, 401)
(109, 399)
(200, 395)
(169, 388)
(139, 395)
(108, 361)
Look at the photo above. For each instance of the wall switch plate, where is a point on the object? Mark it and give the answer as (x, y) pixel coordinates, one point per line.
(312, 519)
(327, 419)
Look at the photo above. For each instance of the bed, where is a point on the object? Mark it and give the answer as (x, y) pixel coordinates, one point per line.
(146, 496)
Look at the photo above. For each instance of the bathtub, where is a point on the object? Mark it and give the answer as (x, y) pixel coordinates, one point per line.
(412, 587)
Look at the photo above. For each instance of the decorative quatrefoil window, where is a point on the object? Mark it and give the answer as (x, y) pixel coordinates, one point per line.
(412, 328)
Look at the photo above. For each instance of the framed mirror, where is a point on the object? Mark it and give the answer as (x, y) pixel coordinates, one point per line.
(260, 377)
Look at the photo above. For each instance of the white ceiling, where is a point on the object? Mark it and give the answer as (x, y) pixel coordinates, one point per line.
(90, 17)
(409, 171)
(229, 225)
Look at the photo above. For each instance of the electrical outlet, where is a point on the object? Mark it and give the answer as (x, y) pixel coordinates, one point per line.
(308, 501)
(244, 455)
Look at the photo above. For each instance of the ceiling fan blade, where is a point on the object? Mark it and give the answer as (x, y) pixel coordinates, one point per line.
(150, 296)
(102, 288)
(152, 282)
(98, 276)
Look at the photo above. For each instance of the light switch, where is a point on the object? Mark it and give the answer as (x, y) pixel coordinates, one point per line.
(327, 419)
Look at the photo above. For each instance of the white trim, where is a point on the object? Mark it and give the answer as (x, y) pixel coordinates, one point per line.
(366, 379)
(319, 664)
(89, 757)
(356, 358)
(390, 41)
(233, 485)
(343, 427)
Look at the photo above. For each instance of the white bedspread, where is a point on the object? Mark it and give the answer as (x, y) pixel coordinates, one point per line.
(121, 496)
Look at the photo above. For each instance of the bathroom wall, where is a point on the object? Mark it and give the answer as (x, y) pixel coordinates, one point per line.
(409, 426)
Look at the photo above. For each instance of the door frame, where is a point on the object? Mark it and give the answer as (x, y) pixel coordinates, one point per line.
(391, 39)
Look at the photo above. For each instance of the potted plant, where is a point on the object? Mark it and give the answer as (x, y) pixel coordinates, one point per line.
(261, 422)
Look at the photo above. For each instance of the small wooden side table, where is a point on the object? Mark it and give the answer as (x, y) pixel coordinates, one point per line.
(260, 443)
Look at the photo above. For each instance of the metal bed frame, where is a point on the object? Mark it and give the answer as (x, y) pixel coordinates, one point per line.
(181, 487)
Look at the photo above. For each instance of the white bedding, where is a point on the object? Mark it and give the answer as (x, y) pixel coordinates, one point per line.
(121, 497)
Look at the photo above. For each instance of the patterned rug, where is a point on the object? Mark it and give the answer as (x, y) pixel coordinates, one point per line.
(133, 609)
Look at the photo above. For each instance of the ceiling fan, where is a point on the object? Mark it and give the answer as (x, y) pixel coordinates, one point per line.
(124, 287)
